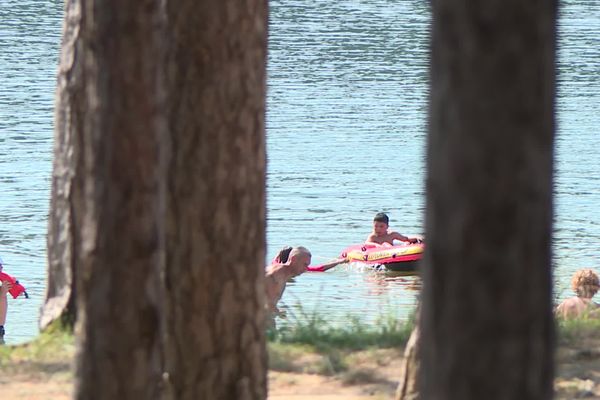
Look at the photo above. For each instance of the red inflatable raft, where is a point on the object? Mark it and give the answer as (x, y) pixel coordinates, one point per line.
(403, 257)
(17, 289)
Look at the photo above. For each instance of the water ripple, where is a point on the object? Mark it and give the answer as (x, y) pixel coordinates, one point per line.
(346, 126)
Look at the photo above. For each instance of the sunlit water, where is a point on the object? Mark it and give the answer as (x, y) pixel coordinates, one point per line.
(346, 129)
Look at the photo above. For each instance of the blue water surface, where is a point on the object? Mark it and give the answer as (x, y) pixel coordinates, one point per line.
(346, 126)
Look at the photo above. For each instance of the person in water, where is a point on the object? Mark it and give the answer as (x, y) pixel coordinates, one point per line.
(6, 285)
(289, 263)
(381, 235)
(284, 254)
(585, 284)
(278, 273)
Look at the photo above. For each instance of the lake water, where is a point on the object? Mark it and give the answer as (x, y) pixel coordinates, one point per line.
(346, 136)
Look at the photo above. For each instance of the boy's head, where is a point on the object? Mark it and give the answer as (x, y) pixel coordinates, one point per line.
(381, 223)
(585, 283)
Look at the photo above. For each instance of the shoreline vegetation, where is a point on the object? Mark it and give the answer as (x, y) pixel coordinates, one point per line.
(306, 358)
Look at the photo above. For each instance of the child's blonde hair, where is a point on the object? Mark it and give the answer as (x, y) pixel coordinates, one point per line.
(585, 283)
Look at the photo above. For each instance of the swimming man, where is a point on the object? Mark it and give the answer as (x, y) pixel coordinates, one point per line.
(278, 274)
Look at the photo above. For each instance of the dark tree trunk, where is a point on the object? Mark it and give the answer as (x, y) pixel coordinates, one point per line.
(216, 199)
(119, 217)
(487, 328)
(69, 109)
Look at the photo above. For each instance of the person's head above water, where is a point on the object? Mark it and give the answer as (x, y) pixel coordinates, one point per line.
(381, 224)
(299, 259)
(585, 283)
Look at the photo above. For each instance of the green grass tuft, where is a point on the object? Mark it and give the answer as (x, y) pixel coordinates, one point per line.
(51, 351)
(577, 330)
(315, 331)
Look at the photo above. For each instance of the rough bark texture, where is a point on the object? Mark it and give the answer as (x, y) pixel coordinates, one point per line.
(408, 388)
(216, 199)
(487, 325)
(60, 292)
(119, 217)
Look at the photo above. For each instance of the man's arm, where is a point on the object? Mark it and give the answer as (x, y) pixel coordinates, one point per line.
(325, 267)
(269, 291)
(273, 291)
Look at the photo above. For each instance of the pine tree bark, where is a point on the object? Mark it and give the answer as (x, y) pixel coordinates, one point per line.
(69, 103)
(119, 216)
(216, 199)
(408, 388)
(487, 328)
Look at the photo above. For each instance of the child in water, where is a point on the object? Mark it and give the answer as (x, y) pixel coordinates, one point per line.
(585, 284)
(381, 236)
(6, 285)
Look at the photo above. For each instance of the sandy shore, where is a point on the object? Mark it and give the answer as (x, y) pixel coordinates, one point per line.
(370, 374)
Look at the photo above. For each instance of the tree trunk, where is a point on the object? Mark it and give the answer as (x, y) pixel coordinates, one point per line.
(216, 199)
(119, 217)
(487, 328)
(408, 389)
(69, 107)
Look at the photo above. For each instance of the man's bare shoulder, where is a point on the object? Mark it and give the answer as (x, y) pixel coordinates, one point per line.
(273, 268)
(275, 271)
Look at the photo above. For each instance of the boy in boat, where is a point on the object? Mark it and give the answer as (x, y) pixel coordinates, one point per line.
(6, 285)
(381, 236)
(585, 284)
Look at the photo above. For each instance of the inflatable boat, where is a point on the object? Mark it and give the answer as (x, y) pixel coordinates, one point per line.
(17, 289)
(404, 257)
